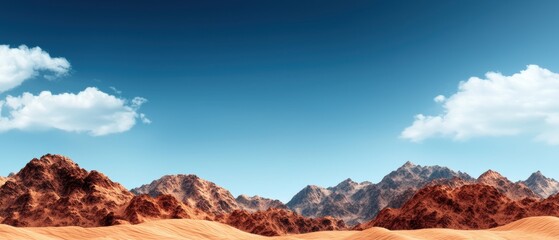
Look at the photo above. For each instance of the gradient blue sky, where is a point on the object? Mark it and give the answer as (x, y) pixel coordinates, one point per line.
(265, 97)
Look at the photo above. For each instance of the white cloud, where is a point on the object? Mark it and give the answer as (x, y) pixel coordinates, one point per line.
(118, 92)
(524, 103)
(90, 111)
(439, 98)
(22, 63)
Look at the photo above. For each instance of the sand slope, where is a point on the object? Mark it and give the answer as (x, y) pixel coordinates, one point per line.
(528, 228)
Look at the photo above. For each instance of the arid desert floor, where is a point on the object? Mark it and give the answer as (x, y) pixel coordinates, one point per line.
(528, 228)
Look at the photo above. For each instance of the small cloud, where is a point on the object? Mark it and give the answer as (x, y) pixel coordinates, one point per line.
(137, 102)
(115, 90)
(523, 103)
(439, 99)
(23, 63)
(144, 119)
(90, 111)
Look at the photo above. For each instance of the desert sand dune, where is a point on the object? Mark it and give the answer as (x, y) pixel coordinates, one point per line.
(528, 228)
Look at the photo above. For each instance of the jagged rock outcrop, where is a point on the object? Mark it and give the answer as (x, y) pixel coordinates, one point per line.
(257, 203)
(474, 206)
(515, 191)
(470, 206)
(193, 191)
(144, 208)
(358, 202)
(3, 180)
(54, 191)
(275, 222)
(541, 185)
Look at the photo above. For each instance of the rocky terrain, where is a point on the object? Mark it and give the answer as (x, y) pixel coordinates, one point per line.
(193, 191)
(257, 215)
(276, 222)
(3, 180)
(144, 208)
(54, 191)
(257, 203)
(512, 190)
(542, 185)
(358, 202)
(470, 206)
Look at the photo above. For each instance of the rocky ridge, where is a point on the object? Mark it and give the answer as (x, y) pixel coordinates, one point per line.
(54, 191)
(275, 222)
(515, 191)
(358, 202)
(542, 185)
(257, 203)
(192, 190)
(471, 206)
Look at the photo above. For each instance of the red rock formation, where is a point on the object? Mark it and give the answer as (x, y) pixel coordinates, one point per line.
(360, 202)
(193, 191)
(275, 222)
(257, 203)
(512, 190)
(143, 208)
(3, 180)
(54, 191)
(474, 206)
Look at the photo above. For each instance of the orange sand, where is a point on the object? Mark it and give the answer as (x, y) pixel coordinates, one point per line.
(528, 228)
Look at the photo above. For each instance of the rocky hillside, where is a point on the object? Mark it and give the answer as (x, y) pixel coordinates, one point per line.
(515, 191)
(3, 180)
(54, 191)
(541, 185)
(193, 191)
(275, 222)
(470, 206)
(358, 202)
(467, 207)
(257, 203)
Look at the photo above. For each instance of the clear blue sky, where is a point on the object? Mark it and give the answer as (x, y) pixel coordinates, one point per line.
(265, 97)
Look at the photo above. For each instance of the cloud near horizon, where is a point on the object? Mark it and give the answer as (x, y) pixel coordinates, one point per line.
(22, 63)
(90, 111)
(525, 103)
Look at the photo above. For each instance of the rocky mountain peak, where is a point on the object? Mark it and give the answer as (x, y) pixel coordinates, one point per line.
(193, 191)
(346, 185)
(357, 202)
(490, 175)
(55, 191)
(537, 176)
(542, 185)
(408, 164)
(512, 190)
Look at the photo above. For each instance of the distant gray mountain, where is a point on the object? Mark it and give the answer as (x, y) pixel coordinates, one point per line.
(541, 185)
(358, 202)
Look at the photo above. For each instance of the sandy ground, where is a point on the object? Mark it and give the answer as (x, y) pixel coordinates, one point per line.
(528, 228)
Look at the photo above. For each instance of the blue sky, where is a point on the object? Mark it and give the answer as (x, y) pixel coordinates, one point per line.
(266, 97)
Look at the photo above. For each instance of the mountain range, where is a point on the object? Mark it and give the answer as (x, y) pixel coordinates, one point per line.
(357, 202)
(472, 206)
(55, 191)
